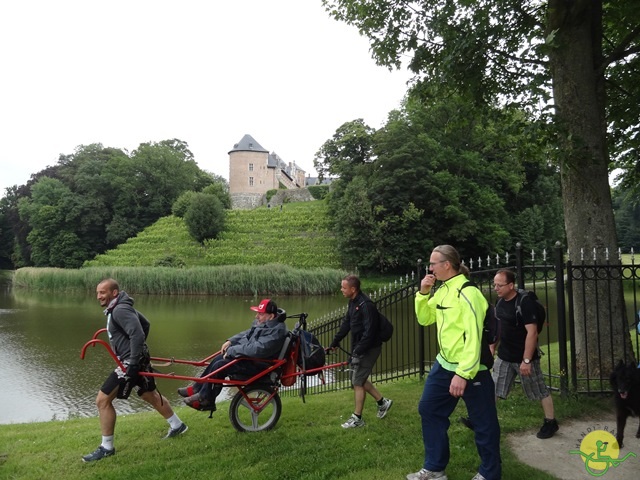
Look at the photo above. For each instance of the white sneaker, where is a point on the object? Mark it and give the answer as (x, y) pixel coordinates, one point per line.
(426, 475)
(384, 408)
(478, 477)
(353, 422)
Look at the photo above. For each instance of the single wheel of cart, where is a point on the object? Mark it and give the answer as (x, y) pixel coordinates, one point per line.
(255, 408)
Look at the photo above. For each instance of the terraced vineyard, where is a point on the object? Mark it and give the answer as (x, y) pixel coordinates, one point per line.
(298, 235)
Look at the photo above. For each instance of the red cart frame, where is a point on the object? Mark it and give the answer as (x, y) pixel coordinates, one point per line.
(256, 406)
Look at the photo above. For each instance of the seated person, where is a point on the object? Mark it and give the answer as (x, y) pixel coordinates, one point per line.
(264, 339)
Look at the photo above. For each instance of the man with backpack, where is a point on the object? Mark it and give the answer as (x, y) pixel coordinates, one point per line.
(458, 372)
(363, 322)
(127, 329)
(518, 353)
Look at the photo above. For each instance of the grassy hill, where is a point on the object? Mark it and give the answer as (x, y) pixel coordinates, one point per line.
(298, 235)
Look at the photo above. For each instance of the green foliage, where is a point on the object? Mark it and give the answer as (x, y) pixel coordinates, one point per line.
(627, 215)
(95, 199)
(270, 194)
(299, 235)
(220, 189)
(445, 172)
(270, 279)
(180, 206)
(349, 147)
(204, 217)
(319, 192)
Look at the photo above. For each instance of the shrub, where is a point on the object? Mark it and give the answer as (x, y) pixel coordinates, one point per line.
(318, 192)
(205, 217)
(180, 206)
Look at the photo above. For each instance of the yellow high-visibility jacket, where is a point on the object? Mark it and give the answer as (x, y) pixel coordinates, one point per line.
(459, 318)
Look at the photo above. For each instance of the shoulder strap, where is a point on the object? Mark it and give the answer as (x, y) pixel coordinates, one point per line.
(466, 284)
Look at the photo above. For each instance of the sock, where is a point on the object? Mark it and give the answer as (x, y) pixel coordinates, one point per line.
(359, 416)
(174, 421)
(107, 442)
(381, 401)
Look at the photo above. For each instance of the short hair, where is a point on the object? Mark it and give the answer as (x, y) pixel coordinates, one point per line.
(450, 255)
(111, 284)
(508, 274)
(352, 281)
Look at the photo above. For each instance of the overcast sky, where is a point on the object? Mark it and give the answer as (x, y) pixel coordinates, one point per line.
(76, 72)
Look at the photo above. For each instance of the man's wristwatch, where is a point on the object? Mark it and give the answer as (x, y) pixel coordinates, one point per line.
(526, 360)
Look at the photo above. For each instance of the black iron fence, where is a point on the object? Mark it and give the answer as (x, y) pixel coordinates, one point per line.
(412, 349)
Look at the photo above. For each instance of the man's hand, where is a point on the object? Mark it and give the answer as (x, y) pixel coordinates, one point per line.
(133, 370)
(458, 384)
(525, 369)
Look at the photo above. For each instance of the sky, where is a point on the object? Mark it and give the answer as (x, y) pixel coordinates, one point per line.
(120, 73)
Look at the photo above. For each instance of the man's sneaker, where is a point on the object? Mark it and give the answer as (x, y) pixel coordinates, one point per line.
(478, 477)
(353, 422)
(548, 429)
(174, 432)
(384, 408)
(99, 454)
(424, 474)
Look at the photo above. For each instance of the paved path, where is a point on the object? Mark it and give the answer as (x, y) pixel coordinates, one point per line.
(552, 455)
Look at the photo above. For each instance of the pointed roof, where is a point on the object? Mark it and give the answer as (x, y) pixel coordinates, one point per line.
(248, 144)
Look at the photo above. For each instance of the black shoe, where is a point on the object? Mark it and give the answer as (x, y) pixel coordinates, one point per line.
(548, 429)
(194, 401)
(174, 432)
(466, 422)
(99, 454)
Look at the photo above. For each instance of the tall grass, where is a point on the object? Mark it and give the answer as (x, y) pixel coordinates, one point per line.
(275, 279)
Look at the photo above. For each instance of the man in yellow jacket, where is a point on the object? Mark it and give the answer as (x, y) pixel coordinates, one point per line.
(457, 372)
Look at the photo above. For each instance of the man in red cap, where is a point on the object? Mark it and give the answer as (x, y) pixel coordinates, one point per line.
(263, 340)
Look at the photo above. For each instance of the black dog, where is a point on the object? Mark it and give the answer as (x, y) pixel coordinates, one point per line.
(625, 381)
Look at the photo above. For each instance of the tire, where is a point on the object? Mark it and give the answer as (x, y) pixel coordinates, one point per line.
(246, 419)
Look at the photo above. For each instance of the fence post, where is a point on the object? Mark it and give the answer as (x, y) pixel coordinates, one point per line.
(519, 269)
(421, 359)
(562, 320)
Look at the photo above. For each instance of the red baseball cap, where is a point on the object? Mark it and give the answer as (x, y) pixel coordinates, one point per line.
(266, 306)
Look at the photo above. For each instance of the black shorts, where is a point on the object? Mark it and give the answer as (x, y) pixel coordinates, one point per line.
(118, 380)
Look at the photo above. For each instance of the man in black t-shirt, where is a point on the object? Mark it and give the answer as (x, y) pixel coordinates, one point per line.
(518, 352)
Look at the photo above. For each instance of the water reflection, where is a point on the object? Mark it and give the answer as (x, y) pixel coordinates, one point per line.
(41, 335)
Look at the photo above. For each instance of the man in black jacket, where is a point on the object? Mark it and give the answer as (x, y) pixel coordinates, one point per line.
(362, 320)
(127, 329)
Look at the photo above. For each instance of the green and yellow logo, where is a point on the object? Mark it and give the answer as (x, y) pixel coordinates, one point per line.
(600, 451)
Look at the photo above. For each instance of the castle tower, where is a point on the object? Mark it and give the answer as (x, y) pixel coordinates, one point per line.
(249, 171)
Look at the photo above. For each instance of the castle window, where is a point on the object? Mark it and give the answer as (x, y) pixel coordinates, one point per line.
(251, 167)
(251, 181)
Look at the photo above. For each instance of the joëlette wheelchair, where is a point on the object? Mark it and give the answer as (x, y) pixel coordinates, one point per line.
(256, 406)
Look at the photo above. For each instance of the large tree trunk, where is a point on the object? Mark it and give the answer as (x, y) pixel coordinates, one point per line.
(579, 95)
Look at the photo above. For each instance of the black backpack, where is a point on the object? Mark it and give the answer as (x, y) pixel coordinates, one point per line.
(386, 327)
(490, 330)
(311, 354)
(539, 312)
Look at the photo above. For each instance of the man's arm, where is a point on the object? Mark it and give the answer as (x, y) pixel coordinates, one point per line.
(530, 345)
(370, 325)
(266, 345)
(127, 319)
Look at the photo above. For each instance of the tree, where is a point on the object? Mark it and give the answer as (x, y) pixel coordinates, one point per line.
(350, 146)
(584, 52)
(205, 217)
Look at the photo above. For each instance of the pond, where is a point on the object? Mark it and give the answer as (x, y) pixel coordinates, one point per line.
(41, 336)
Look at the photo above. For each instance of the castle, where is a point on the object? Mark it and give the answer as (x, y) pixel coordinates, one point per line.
(253, 171)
